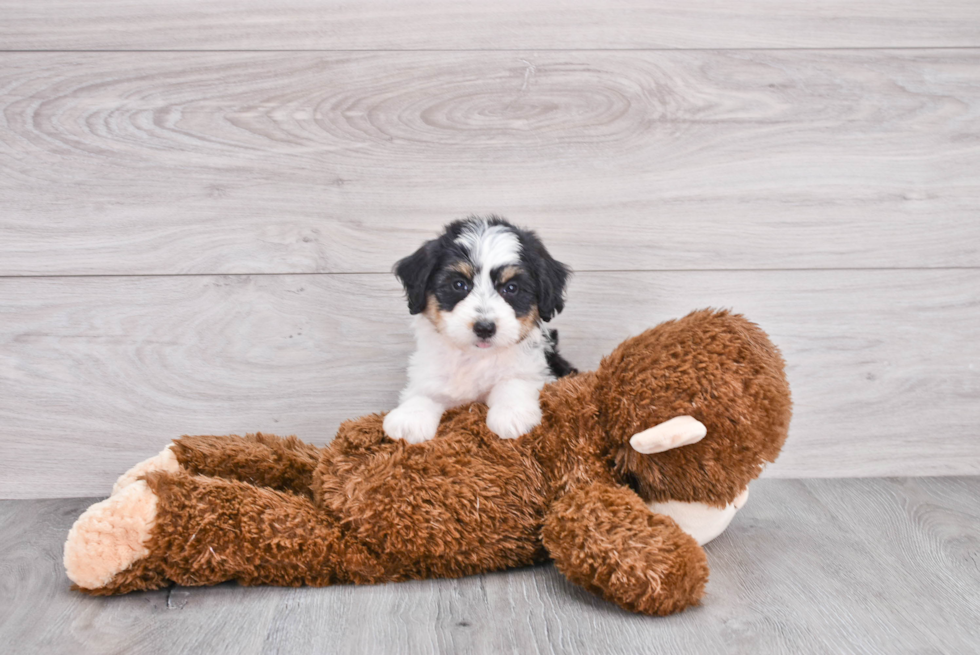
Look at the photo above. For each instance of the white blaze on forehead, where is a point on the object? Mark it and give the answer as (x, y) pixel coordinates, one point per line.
(490, 246)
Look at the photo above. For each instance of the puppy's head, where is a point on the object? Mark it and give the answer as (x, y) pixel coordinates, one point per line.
(484, 283)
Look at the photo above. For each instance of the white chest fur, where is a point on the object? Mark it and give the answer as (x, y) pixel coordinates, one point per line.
(452, 376)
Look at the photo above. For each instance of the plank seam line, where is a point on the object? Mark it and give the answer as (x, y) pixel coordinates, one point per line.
(574, 272)
(503, 50)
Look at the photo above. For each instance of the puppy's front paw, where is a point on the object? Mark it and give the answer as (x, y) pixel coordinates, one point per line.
(415, 420)
(511, 421)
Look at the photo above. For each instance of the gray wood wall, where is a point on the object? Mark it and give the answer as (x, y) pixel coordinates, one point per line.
(200, 203)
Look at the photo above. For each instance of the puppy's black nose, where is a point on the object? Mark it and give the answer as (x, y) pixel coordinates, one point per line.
(485, 329)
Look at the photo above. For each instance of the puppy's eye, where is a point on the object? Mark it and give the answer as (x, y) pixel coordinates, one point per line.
(461, 285)
(510, 287)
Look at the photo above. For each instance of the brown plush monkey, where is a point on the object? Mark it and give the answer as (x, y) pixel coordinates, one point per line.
(675, 422)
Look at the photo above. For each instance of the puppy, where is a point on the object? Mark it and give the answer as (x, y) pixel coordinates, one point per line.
(479, 294)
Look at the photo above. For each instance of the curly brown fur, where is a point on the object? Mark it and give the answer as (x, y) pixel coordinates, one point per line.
(466, 502)
(366, 509)
(264, 460)
(605, 539)
(715, 366)
(213, 529)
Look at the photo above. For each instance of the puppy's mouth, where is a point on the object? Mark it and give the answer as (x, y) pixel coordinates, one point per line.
(484, 343)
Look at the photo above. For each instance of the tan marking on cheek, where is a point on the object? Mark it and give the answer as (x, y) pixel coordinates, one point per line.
(528, 322)
(433, 313)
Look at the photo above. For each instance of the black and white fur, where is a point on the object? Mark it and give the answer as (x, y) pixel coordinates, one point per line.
(479, 294)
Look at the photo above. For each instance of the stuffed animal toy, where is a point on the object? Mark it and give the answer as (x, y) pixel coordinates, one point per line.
(674, 423)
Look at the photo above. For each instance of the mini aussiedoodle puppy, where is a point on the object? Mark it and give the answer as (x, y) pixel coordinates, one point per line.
(480, 293)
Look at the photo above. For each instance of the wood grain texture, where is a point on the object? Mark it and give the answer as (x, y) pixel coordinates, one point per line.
(99, 373)
(504, 24)
(163, 163)
(808, 566)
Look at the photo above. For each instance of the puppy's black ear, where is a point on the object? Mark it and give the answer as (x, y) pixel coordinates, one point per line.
(414, 272)
(551, 274)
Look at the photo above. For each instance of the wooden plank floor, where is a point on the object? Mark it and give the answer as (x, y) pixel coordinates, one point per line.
(814, 165)
(877, 359)
(201, 201)
(503, 24)
(887, 565)
(176, 163)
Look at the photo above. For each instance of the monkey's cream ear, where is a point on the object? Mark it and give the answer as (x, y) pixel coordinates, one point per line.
(678, 431)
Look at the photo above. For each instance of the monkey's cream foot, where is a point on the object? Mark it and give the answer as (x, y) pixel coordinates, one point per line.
(741, 499)
(678, 431)
(110, 536)
(703, 522)
(165, 460)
